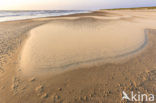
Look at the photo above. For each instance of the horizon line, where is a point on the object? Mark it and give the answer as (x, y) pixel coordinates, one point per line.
(79, 9)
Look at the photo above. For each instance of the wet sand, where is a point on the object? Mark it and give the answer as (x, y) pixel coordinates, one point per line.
(84, 58)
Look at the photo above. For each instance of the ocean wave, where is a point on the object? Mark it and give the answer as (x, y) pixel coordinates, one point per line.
(21, 15)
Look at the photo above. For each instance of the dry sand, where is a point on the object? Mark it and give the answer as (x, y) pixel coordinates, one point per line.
(80, 58)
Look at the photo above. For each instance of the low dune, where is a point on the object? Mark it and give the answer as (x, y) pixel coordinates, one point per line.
(69, 44)
(80, 58)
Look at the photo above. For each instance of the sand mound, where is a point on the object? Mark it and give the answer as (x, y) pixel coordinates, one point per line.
(56, 46)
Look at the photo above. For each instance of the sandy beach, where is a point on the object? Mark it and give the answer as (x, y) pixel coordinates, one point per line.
(79, 58)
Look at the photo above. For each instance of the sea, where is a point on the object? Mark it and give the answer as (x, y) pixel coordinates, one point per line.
(21, 15)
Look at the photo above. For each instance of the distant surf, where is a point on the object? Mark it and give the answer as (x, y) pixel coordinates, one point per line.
(21, 15)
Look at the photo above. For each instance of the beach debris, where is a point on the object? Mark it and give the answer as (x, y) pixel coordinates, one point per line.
(60, 89)
(39, 89)
(32, 79)
(57, 97)
(119, 85)
(45, 95)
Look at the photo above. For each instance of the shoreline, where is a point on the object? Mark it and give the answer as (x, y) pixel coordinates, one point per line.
(50, 16)
(88, 84)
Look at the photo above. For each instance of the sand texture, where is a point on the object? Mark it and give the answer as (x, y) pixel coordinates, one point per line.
(80, 58)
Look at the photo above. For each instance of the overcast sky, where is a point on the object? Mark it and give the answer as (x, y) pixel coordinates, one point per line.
(72, 4)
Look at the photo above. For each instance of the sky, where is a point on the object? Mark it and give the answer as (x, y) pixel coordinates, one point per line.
(72, 4)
